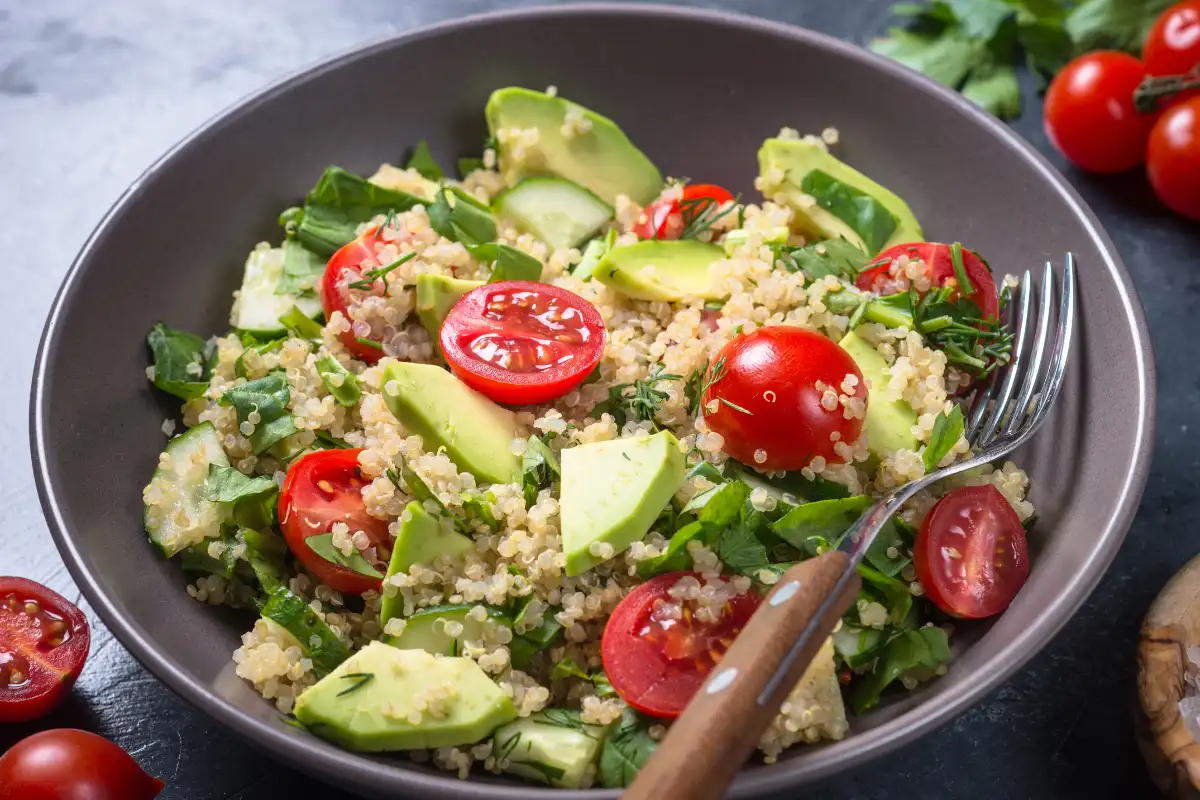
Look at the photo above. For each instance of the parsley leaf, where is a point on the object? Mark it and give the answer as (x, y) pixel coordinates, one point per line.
(322, 545)
(639, 400)
(423, 162)
(741, 551)
(626, 749)
(508, 263)
(835, 257)
(181, 365)
(947, 430)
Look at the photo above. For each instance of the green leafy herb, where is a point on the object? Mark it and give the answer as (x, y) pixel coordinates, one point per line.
(789, 487)
(339, 381)
(857, 646)
(835, 257)
(458, 216)
(239, 365)
(539, 468)
(180, 361)
(268, 396)
(724, 508)
(816, 527)
(563, 718)
(700, 382)
(707, 471)
(639, 400)
(676, 556)
(525, 646)
(508, 263)
(338, 204)
(894, 594)
(478, 507)
(317, 640)
(302, 268)
(567, 668)
(229, 484)
(627, 748)
(361, 679)
(423, 162)
(367, 282)
(947, 430)
(1113, 24)
(468, 164)
(741, 551)
(887, 552)
(300, 325)
(322, 545)
(865, 215)
(916, 652)
(603, 687)
(331, 442)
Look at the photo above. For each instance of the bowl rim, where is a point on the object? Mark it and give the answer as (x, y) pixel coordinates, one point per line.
(370, 774)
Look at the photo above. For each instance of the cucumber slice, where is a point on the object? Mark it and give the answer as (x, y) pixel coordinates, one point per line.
(177, 512)
(553, 746)
(560, 213)
(426, 629)
(317, 640)
(258, 308)
(595, 251)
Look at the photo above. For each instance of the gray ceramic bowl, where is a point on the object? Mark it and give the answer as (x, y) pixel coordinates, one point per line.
(172, 247)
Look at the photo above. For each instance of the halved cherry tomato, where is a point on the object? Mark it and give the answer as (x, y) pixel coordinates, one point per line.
(657, 653)
(1173, 45)
(522, 342)
(67, 764)
(970, 554)
(667, 219)
(44, 641)
(347, 266)
(774, 396)
(323, 488)
(1090, 116)
(1173, 158)
(885, 273)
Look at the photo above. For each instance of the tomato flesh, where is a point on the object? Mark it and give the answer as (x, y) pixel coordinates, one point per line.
(67, 764)
(887, 273)
(657, 652)
(970, 554)
(344, 285)
(1173, 45)
(1089, 113)
(322, 489)
(1173, 158)
(44, 641)
(771, 397)
(522, 342)
(667, 219)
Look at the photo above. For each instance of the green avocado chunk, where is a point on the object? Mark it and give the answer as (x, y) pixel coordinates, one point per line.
(573, 143)
(661, 270)
(421, 539)
(436, 295)
(833, 200)
(554, 747)
(889, 423)
(613, 491)
(365, 704)
(476, 433)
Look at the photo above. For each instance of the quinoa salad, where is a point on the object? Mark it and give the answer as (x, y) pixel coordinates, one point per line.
(499, 466)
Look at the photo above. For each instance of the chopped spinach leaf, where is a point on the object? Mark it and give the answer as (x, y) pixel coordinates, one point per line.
(894, 594)
(676, 556)
(300, 325)
(229, 484)
(741, 551)
(816, 527)
(539, 468)
(239, 365)
(568, 668)
(947, 430)
(322, 545)
(725, 506)
(467, 165)
(508, 263)
(916, 652)
(835, 257)
(887, 552)
(423, 162)
(457, 216)
(865, 215)
(181, 365)
(269, 397)
(339, 203)
(627, 748)
(339, 381)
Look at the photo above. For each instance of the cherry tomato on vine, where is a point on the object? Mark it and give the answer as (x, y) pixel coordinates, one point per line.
(522, 341)
(44, 641)
(1173, 158)
(1090, 116)
(656, 651)
(775, 397)
(1172, 46)
(67, 764)
(321, 489)
(970, 554)
(667, 219)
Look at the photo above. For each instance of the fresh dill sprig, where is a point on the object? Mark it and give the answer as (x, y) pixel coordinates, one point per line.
(367, 283)
(363, 679)
(700, 382)
(701, 213)
(639, 400)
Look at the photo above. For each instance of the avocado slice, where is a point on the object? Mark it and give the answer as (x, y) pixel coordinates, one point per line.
(889, 423)
(680, 269)
(436, 295)
(371, 714)
(613, 491)
(446, 413)
(848, 204)
(421, 539)
(594, 152)
(553, 746)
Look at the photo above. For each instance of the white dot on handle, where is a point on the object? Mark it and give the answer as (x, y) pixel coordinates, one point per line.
(784, 593)
(722, 680)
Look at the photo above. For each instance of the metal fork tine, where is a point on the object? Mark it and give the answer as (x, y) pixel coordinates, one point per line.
(1062, 346)
(1033, 376)
(1010, 373)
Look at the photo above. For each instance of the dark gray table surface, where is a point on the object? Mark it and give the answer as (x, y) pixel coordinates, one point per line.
(92, 92)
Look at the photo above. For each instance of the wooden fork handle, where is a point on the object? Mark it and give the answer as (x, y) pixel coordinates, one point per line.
(723, 723)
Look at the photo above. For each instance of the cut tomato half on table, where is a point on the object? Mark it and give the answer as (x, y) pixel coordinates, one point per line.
(669, 219)
(44, 641)
(887, 273)
(321, 490)
(970, 554)
(351, 276)
(67, 764)
(656, 650)
(522, 342)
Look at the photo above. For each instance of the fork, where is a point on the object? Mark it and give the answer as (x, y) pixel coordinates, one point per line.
(724, 722)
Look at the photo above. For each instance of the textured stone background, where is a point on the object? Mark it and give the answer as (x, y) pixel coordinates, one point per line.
(92, 92)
